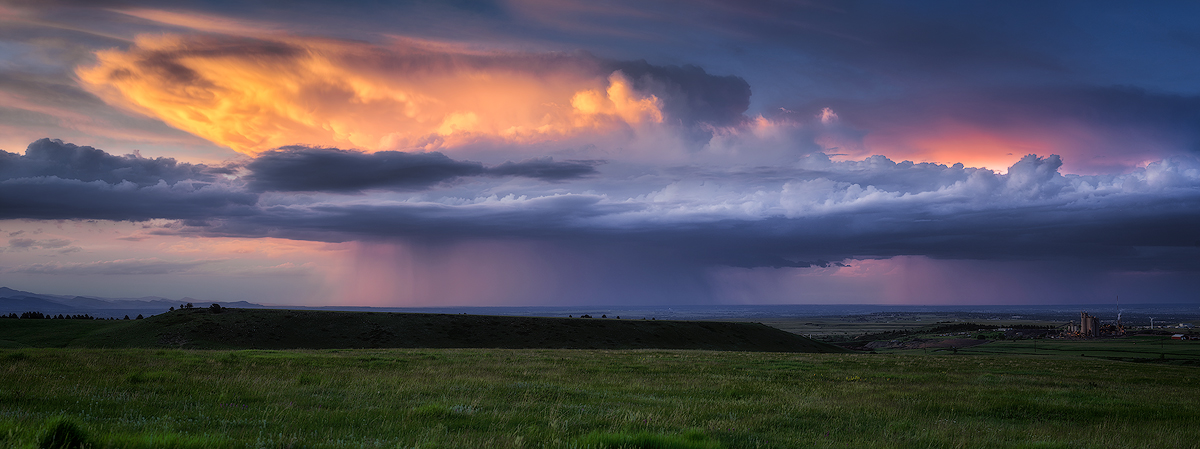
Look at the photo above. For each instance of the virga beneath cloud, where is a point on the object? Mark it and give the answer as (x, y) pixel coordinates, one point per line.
(485, 153)
(816, 209)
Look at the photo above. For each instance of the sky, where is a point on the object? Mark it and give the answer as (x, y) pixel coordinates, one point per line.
(536, 152)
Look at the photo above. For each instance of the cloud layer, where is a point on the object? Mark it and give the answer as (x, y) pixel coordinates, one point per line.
(47, 157)
(817, 212)
(335, 170)
(615, 149)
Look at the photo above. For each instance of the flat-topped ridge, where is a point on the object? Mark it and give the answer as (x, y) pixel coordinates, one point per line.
(306, 329)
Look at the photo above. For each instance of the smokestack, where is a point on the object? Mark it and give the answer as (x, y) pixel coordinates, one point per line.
(1118, 311)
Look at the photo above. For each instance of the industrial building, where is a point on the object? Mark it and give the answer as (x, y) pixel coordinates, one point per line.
(1089, 326)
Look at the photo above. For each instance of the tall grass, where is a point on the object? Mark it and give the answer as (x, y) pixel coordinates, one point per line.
(472, 398)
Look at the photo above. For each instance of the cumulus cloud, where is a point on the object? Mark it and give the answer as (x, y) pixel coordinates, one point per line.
(256, 94)
(815, 213)
(801, 217)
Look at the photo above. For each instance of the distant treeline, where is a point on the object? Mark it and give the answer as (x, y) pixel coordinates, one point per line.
(214, 307)
(46, 316)
(941, 329)
(973, 327)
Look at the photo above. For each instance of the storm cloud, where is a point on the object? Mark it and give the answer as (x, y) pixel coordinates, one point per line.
(57, 180)
(817, 213)
(298, 168)
(690, 94)
(52, 157)
(53, 198)
(617, 151)
(807, 218)
(547, 169)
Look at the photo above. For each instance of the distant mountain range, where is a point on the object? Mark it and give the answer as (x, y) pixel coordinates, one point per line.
(18, 302)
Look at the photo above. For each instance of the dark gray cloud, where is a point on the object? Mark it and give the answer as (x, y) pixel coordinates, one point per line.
(549, 217)
(331, 169)
(53, 157)
(546, 169)
(53, 198)
(691, 95)
(1149, 241)
(57, 180)
(818, 213)
(1143, 220)
(299, 168)
(1158, 237)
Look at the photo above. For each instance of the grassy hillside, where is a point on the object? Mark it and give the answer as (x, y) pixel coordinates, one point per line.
(292, 329)
(546, 398)
(16, 333)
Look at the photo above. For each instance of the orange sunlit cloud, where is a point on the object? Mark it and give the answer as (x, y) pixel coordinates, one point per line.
(253, 95)
(1084, 149)
(950, 143)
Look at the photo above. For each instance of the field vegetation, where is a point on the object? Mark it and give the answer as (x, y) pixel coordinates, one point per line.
(1002, 394)
(1138, 348)
(146, 398)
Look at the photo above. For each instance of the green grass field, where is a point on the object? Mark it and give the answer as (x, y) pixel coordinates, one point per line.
(1153, 349)
(473, 398)
(838, 328)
